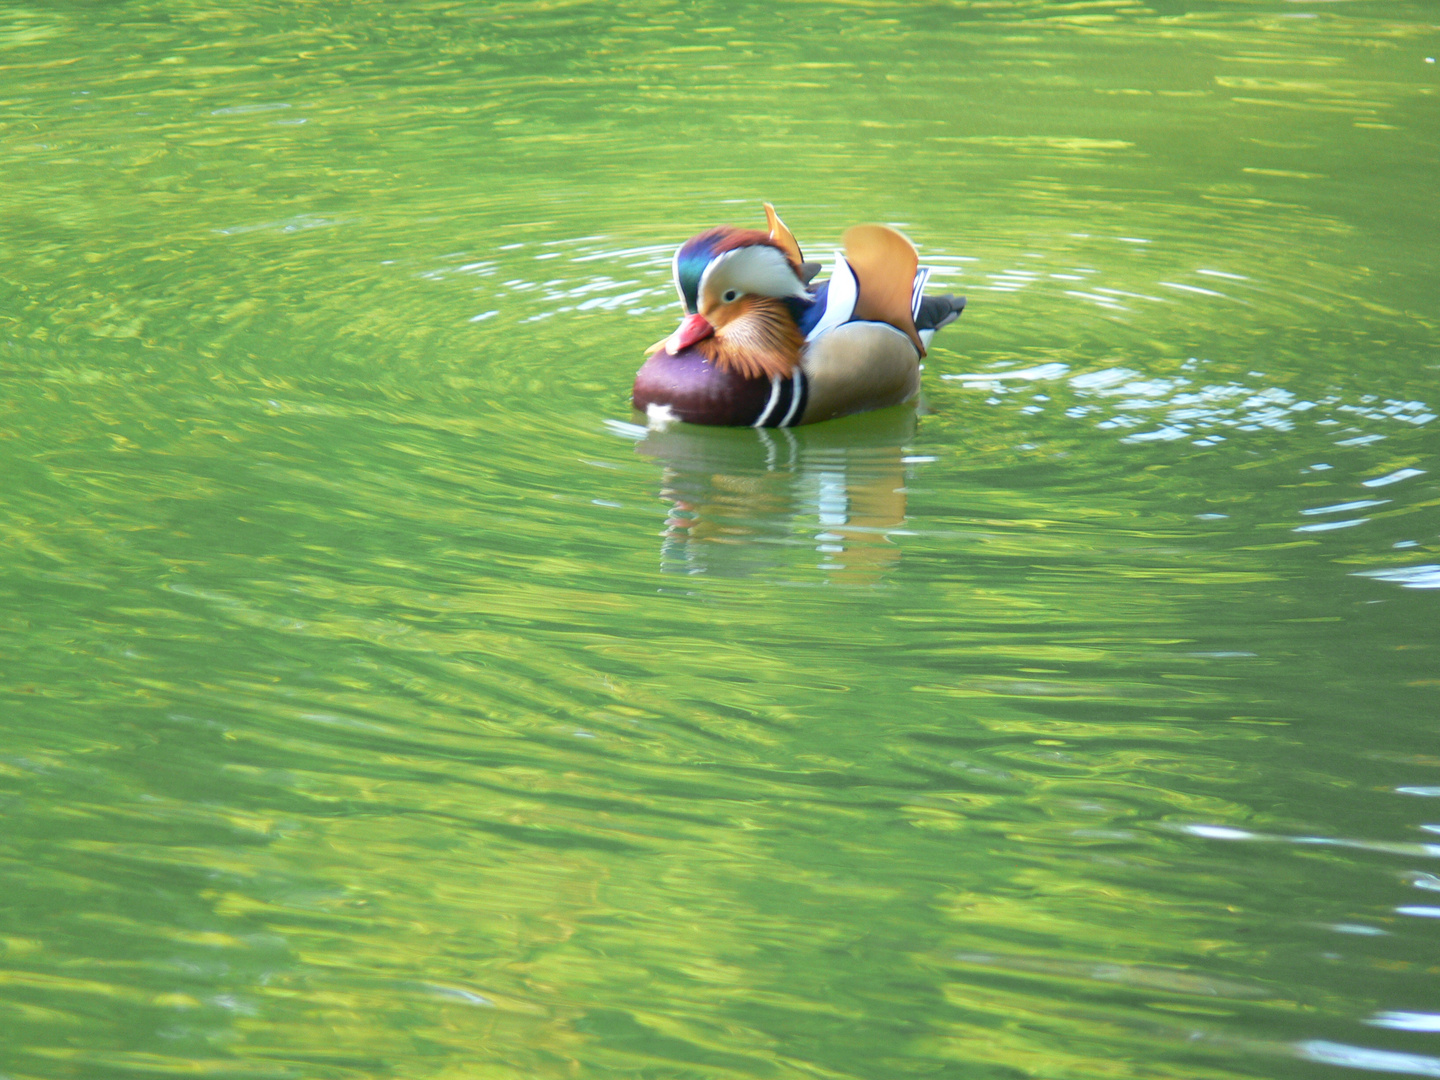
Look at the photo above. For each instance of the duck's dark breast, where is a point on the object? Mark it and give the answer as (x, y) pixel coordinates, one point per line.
(698, 392)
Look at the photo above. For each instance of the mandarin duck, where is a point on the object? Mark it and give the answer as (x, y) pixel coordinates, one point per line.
(761, 346)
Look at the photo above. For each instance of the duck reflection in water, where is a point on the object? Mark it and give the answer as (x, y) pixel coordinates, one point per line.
(746, 501)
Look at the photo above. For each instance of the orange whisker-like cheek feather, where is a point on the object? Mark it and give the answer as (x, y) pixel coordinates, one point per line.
(756, 337)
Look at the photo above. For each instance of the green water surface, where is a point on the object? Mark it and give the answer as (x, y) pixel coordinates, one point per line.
(378, 698)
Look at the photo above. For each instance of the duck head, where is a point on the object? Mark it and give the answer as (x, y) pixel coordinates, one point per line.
(737, 287)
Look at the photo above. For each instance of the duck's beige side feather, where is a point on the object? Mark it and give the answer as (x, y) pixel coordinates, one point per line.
(858, 366)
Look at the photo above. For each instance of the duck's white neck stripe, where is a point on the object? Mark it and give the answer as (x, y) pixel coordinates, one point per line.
(769, 405)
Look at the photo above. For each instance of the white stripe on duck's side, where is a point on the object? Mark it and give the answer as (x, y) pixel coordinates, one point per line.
(797, 396)
(769, 405)
(793, 409)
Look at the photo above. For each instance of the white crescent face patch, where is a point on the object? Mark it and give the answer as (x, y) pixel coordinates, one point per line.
(758, 270)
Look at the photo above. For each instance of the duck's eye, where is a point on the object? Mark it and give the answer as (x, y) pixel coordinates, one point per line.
(730, 295)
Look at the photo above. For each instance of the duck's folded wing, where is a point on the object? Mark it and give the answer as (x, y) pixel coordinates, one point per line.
(885, 265)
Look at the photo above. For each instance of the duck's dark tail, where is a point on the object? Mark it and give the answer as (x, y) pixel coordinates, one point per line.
(937, 312)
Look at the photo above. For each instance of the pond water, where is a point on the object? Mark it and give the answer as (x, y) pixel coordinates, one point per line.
(379, 698)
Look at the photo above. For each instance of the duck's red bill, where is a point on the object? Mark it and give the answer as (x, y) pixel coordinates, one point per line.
(692, 329)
